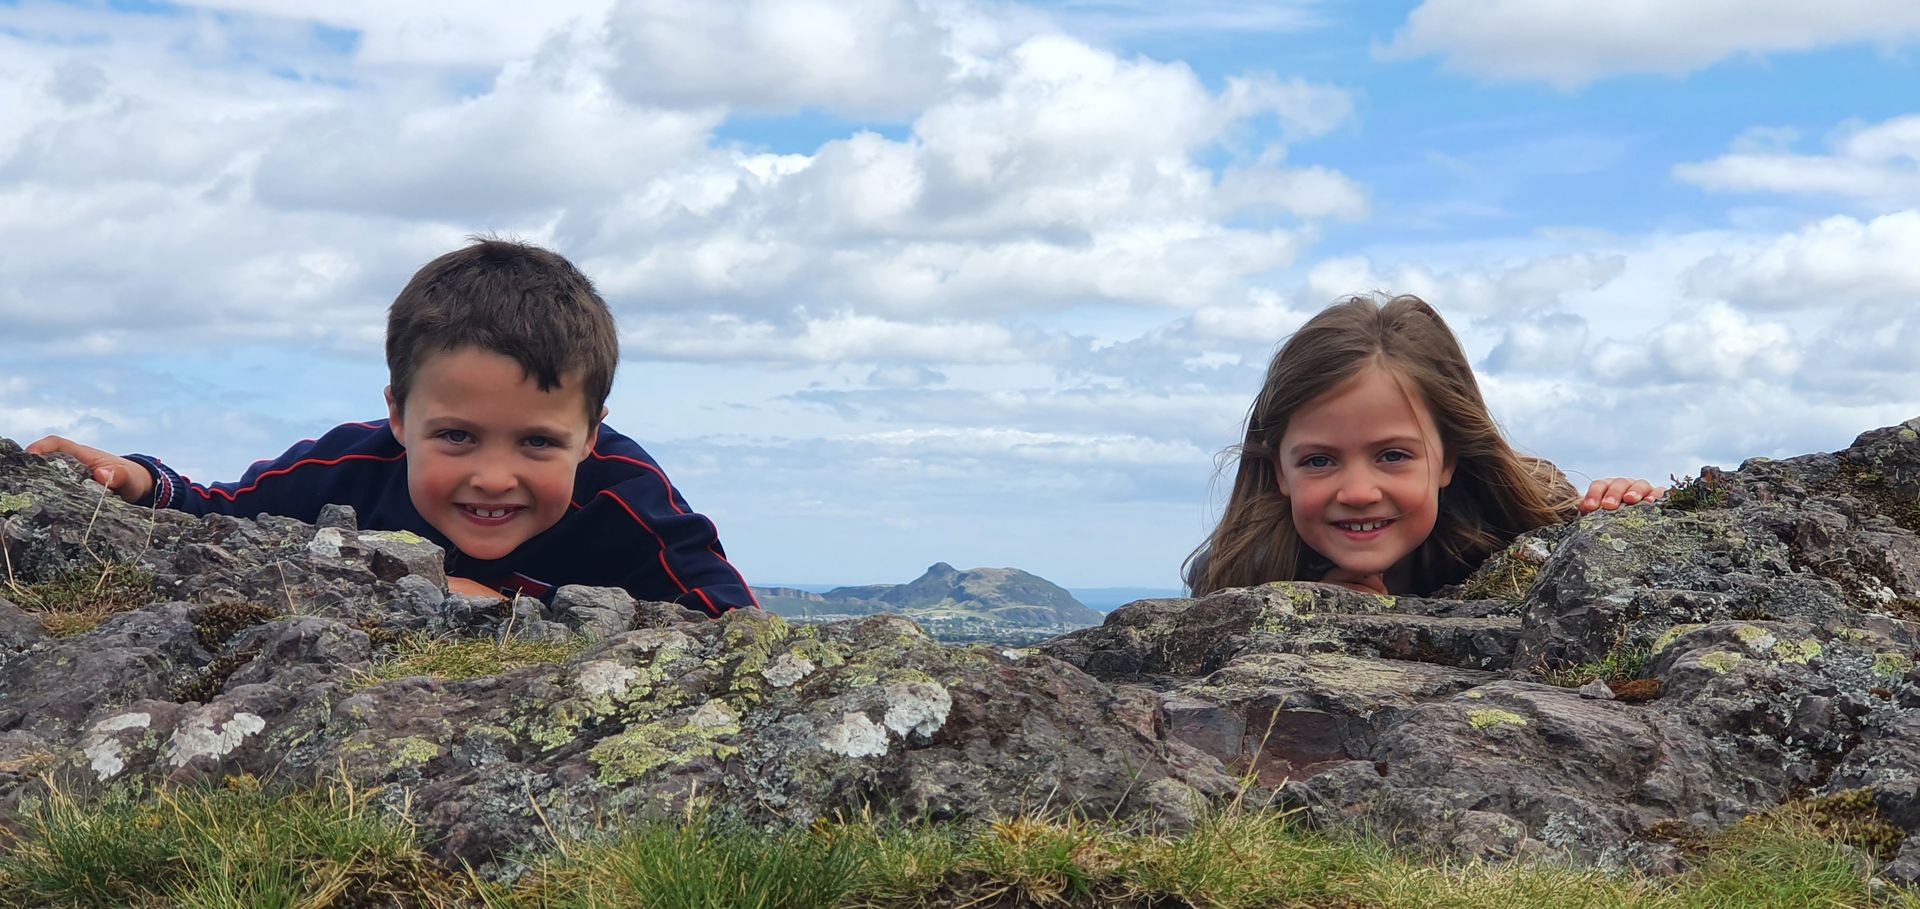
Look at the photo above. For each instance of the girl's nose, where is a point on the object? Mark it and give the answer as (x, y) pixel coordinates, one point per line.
(1357, 490)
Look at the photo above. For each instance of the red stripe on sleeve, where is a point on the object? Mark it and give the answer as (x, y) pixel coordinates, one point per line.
(207, 492)
(675, 505)
(656, 537)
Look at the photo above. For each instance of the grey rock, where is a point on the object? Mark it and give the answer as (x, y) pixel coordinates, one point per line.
(598, 611)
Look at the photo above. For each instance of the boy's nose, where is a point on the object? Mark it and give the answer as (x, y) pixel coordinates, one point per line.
(492, 479)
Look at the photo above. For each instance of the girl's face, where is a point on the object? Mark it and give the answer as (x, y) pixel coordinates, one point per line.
(1362, 468)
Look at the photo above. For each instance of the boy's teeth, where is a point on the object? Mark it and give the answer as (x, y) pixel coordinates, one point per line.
(491, 512)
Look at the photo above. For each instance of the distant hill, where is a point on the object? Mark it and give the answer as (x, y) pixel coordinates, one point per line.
(1006, 596)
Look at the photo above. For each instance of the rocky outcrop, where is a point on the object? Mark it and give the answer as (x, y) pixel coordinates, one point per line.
(266, 647)
(1759, 632)
(1597, 693)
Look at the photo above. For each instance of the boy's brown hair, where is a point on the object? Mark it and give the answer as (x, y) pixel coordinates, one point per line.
(1496, 493)
(514, 299)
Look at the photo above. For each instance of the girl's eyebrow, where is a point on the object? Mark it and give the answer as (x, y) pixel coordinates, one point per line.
(1401, 441)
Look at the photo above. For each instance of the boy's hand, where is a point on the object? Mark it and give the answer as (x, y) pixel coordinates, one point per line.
(122, 477)
(1613, 492)
(472, 588)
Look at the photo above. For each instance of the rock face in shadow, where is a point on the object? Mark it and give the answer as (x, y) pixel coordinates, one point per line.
(1590, 691)
(1760, 629)
(257, 650)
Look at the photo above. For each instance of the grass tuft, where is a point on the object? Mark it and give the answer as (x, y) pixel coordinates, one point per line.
(77, 602)
(237, 847)
(332, 849)
(455, 659)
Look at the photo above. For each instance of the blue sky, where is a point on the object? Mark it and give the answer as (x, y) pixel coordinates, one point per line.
(988, 283)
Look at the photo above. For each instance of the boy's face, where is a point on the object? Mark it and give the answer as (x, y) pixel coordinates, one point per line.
(490, 457)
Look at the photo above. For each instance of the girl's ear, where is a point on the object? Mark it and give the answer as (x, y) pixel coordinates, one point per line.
(1446, 471)
(1280, 478)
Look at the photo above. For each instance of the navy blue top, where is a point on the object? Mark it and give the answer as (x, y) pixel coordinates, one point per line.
(626, 526)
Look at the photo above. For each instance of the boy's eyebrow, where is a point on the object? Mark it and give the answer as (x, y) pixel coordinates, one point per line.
(556, 431)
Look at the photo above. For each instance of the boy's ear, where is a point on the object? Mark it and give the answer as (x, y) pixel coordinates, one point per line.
(393, 419)
(593, 435)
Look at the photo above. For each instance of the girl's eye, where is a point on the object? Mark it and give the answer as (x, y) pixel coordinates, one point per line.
(1316, 461)
(1395, 456)
(456, 436)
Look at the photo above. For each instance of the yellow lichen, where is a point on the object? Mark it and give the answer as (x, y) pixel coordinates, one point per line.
(642, 748)
(1798, 651)
(413, 751)
(1492, 717)
(1667, 638)
(1892, 665)
(1720, 662)
(394, 536)
(14, 501)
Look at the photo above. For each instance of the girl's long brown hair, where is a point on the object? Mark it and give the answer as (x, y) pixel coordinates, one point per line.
(1496, 493)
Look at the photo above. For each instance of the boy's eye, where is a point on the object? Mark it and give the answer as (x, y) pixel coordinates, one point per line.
(456, 436)
(541, 442)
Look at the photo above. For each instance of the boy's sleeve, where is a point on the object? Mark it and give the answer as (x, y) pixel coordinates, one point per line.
(684, 563)
(295, 485)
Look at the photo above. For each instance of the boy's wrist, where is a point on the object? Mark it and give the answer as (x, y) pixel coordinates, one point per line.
(160, 482)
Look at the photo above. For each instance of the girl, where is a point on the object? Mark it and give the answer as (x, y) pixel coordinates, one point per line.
(1370, 461)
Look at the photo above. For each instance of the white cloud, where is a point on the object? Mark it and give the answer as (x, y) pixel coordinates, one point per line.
(1504, 290)
(474, 32)
(884, 57)
(1838, 262)
(1878, 165)
(1570, 43)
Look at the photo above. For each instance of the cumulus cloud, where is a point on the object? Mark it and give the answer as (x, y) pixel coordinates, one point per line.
(867, 57)
(1871, 265)
(1878, 165)
(1569, 44)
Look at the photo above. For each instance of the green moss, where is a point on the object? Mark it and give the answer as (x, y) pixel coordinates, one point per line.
(1492, 717)
(1504, 577)
(1696, 493)
(413, 751)
(1721, 662)
(218, 623)
(14, 501)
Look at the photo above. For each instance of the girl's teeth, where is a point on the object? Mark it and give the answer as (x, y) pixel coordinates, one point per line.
(1364, 527)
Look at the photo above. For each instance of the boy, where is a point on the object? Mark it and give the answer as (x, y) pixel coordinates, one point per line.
(501, 356)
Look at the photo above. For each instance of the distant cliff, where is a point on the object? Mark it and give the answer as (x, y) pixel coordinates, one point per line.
(1006, 596)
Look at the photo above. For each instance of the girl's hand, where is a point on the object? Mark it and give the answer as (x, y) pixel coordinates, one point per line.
(1613, 492)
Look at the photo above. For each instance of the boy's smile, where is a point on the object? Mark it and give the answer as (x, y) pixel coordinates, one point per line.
(490, 457)
(1362, 469)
